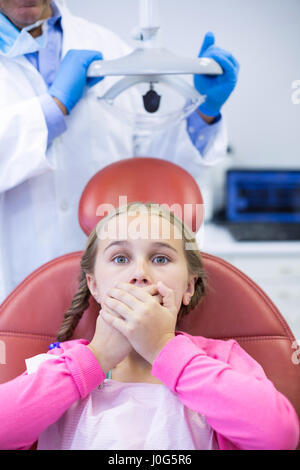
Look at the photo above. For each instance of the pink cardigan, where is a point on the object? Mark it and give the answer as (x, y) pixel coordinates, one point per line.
(215, 378)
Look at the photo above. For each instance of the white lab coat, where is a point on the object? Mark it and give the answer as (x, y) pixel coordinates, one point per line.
(40, 188)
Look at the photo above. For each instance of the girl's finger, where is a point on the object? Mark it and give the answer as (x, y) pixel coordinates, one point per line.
(158, 298)
(124, 297)
(168, 296)
(117, 307)
(140, 293)
(114, 321)
(107, 309)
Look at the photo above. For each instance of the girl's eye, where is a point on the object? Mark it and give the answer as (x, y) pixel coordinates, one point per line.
(161, 259)
(120, 259)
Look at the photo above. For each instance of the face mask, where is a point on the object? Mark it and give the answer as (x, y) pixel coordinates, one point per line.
(14, 43)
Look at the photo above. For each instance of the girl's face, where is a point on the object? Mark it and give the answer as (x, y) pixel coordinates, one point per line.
(149, 250)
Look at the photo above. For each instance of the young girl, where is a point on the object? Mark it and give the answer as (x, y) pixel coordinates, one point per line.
(140, 383)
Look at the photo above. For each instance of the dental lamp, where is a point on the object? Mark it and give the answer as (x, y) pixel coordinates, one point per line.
(153, 64)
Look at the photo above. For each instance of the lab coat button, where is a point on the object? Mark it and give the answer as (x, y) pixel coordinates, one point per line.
(64, 205)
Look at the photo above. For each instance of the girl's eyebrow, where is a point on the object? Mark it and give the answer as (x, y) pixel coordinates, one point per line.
(154, 245)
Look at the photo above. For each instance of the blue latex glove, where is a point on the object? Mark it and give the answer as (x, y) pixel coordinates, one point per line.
(71, 79)
(216, 88)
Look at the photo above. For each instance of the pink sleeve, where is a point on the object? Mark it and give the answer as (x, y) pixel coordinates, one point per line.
(30, 403)
(244, 408)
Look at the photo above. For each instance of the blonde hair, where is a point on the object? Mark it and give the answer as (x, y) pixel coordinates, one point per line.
(193, 258)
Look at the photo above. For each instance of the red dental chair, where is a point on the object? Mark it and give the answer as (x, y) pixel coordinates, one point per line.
(234, 306)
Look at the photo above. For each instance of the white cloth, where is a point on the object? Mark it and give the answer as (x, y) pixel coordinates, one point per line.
(33, 363)
(40, 188)
(127, 416)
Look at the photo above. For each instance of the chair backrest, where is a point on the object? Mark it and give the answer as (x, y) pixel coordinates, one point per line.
(141, 179)
(234, 306)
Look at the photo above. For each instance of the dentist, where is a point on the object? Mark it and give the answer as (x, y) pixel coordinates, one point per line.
(54, 135)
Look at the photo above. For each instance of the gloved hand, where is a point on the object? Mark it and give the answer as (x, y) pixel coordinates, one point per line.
(70, 80)
(216, 88)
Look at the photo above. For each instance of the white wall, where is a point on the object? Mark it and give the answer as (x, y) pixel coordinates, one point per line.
(264, 35)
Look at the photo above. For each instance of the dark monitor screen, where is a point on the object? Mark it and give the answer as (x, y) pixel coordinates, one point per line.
(263, 196)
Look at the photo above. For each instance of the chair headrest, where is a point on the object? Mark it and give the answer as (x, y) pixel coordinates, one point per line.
(143, 179)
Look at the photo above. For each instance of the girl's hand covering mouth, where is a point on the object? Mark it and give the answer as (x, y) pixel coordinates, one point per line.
(145, 316)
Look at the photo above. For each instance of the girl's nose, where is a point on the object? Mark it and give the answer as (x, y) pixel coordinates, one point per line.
(140, 281)
(140, 276)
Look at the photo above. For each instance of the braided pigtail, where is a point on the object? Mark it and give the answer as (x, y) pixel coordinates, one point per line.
(80, 300)
(72, 316)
